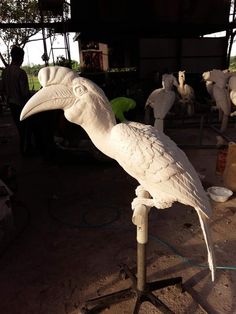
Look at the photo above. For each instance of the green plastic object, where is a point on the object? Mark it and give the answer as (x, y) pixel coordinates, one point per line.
(121, 105)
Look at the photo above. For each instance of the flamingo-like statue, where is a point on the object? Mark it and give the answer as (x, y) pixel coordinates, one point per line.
(162, 99)
(148, 155)
(186, 93)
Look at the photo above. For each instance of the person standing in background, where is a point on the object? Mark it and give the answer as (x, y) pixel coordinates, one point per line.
(16, 92)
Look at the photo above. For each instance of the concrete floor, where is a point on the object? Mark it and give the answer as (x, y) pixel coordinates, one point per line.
(73, 229)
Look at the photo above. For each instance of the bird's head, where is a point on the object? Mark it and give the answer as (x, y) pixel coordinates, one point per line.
(169, 80)
(63, 89)
(206, 76)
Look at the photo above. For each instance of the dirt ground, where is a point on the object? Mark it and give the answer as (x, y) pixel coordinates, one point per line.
(73, 228)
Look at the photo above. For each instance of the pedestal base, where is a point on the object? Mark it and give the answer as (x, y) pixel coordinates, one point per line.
(96, 305)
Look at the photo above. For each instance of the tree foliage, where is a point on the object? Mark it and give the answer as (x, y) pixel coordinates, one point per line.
(18, 11)
(34, 70)
(22, 11)
(62, 61)
(232, 65)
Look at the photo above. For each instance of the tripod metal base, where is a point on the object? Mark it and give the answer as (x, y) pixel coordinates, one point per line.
(139, 288)
(96, 305)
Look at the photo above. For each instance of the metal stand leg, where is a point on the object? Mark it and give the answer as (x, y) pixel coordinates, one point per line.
(139, 288)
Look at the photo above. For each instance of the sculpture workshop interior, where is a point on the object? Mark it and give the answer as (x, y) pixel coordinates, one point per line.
(130, 206)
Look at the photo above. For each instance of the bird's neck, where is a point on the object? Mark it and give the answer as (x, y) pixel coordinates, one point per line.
(221, 83)
(181, 83)
(98, 127)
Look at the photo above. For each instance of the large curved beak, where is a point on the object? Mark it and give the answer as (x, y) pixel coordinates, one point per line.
(48, 98)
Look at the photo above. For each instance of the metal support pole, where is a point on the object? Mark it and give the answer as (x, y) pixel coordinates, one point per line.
(140, 289)
(141, 266)
(140, 219)
(45, 54)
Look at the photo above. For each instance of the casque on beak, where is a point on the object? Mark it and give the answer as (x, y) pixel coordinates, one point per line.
(48, 98)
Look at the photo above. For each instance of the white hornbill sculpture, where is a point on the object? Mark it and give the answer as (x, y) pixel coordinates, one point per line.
(162, 99)
(146, 154)
(232, 90)
(220, 94)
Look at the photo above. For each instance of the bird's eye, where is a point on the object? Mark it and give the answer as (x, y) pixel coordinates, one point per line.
(79, 90)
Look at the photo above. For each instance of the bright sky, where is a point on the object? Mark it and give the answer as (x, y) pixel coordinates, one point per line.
(34, 50)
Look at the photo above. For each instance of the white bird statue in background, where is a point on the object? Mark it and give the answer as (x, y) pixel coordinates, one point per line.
(220, 94)
(145, 153)
(186, 93)
(232, 90)
(162, 99)
(209, 88)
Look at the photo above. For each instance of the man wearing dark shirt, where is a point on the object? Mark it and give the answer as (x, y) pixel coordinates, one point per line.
(16, 91)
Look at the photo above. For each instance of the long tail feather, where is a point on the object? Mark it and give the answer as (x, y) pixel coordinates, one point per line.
(209, 243)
